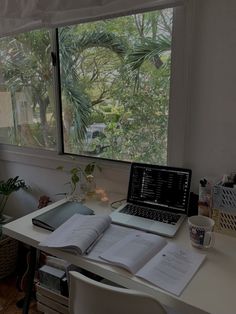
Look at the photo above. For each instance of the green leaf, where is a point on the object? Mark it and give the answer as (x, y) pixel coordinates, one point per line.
(74, 171)
(12, 185)
(75, 179)
(89, 169)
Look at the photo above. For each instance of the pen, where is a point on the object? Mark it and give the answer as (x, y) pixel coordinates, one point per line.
(89, 249)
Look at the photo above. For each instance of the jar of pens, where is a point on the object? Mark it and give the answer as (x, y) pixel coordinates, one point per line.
(205, 198)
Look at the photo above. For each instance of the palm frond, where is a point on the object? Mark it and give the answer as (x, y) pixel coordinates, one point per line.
(81, 108)
(150, 50)
(102, 39)
(72, 45)
(72, 42)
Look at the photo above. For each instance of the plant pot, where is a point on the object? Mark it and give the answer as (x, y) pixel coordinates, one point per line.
(88, 187)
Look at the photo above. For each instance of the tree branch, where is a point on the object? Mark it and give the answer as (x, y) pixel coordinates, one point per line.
(99, 99)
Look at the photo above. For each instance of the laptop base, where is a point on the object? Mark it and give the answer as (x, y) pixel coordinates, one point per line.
(144, 224)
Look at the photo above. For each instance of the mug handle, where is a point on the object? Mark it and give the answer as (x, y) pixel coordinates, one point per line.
(211, 239)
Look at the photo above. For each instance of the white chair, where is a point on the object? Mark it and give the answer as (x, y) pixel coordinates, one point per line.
(88, 296)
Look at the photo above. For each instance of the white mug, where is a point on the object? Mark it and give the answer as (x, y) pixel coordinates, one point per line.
(201, 231)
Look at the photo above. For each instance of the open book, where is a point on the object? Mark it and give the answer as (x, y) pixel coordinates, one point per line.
(152, 258)
(145, 255)
(78, 234)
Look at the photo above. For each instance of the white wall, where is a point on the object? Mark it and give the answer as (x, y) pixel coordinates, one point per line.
(49, 181)
(210, 148)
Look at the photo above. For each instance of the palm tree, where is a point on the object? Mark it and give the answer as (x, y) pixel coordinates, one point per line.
(32, 58)
(72, 45)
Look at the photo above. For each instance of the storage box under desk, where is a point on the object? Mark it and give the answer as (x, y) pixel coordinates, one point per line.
(51, 302)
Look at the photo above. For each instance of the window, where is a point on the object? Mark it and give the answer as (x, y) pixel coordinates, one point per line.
(27, 107)
(115, 78)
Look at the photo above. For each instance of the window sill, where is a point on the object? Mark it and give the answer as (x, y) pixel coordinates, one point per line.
(51, 159)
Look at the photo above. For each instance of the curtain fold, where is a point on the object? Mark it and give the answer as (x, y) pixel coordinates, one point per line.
(24, 15)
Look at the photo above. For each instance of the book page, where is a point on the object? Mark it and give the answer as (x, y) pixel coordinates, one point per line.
(78, 232)
(172, 268)
(113, 235)
(134, 250)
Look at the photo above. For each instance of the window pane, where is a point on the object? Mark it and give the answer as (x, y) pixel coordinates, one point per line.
(115, 77)
(26, 91)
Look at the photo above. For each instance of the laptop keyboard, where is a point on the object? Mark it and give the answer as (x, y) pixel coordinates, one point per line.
(157, 215)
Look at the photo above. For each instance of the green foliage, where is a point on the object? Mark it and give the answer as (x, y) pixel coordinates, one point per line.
(149, 50)
(101, 38)
(76, 174)
(26, 67)
(115, 72)
(12, 185)
(7, 188)
(74, 178)
(130, 94)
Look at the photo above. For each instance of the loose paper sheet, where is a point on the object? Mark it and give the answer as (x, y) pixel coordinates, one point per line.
(172, 268)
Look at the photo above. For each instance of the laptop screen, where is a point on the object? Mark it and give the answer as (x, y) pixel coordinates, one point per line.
(153, 185)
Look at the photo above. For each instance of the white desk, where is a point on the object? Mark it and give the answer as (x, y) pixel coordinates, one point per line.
(212, 290)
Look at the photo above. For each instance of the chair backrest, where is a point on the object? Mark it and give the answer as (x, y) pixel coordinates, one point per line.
(88, 296)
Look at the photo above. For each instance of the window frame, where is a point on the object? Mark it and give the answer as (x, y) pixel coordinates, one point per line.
(181, 41)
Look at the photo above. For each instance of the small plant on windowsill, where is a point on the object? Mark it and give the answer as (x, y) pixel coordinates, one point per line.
(82, 181)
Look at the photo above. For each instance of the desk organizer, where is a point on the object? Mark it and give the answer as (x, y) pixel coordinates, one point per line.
(224, 209)
(8, 256)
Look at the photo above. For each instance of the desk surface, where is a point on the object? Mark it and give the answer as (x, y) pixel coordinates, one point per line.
(212, 289)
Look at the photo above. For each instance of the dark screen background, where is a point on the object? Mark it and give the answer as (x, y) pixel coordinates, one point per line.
(160, 185)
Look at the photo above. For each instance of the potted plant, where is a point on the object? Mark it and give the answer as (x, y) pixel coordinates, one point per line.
(83, 176)
(6, 189)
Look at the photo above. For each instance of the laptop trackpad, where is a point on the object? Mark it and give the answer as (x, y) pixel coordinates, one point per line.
(140, 222)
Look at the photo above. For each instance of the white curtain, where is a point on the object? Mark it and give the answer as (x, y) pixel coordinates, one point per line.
(24, 15)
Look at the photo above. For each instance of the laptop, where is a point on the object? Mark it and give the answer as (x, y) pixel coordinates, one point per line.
(157, 201)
